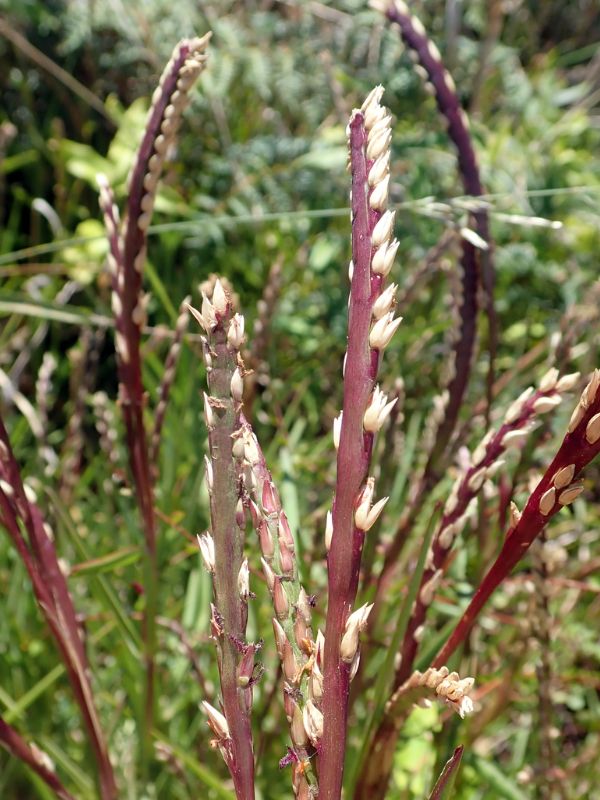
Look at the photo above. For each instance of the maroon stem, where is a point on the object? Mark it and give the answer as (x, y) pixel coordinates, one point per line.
(575, 449)
(18, 747)
(449, 106)
(353, 459)
(439, 548)
(53, 597)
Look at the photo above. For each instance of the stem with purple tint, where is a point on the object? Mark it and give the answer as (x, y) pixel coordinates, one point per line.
(33, 757)
(17, 513)
(485, 461)
(127, 255)
(558, 487)
(300, 655)
(355, 441)
(416, 38)
(373, 782)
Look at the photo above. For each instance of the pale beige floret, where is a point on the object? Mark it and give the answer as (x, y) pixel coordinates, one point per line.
(355, 623)
(592, 430)
(328, 530)
(428, 590)
(570, 493)
(564, 476)
(366, 516)
(122, 347)
(448, 686)
(379, 196)
(385, 301)
(568, 382)
(383, 229)
(377, 411)
(337, 430)
(544, 404)
(235, 331)
(383, 330)
(514, 410)
(208, 472)
(549, 380)
(547, 501)
(383, 258)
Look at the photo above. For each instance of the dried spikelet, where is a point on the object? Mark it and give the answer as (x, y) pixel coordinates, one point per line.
(441, 683)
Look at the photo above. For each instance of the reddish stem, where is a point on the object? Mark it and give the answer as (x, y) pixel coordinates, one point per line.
(353, 459)
(576, 450)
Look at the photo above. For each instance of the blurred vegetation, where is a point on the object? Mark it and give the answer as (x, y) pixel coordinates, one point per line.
(258, 178)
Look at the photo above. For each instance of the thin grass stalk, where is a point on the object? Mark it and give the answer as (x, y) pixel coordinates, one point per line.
(559, 486)
(301, 657)
(127, 255)
(20, 512)
(35, 759)
(167, 380)
(444, 90)
(371, 325)
(222, 547)
(485, 462)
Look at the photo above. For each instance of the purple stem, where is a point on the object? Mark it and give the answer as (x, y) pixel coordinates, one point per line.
(353, 459)
(18, 747)
(416, 38)
(440, 548)
(53, 597)
(578, 448)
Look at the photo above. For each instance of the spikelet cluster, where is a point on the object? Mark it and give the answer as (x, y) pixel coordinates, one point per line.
(370, 136)
(440, 683)
(231, 579)
(127, 241)
(169, 101)
(300, 654)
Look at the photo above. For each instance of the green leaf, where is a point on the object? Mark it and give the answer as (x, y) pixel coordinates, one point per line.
(496, 780)
(107, 563)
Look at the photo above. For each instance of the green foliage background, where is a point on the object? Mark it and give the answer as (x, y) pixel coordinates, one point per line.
(259, 177)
